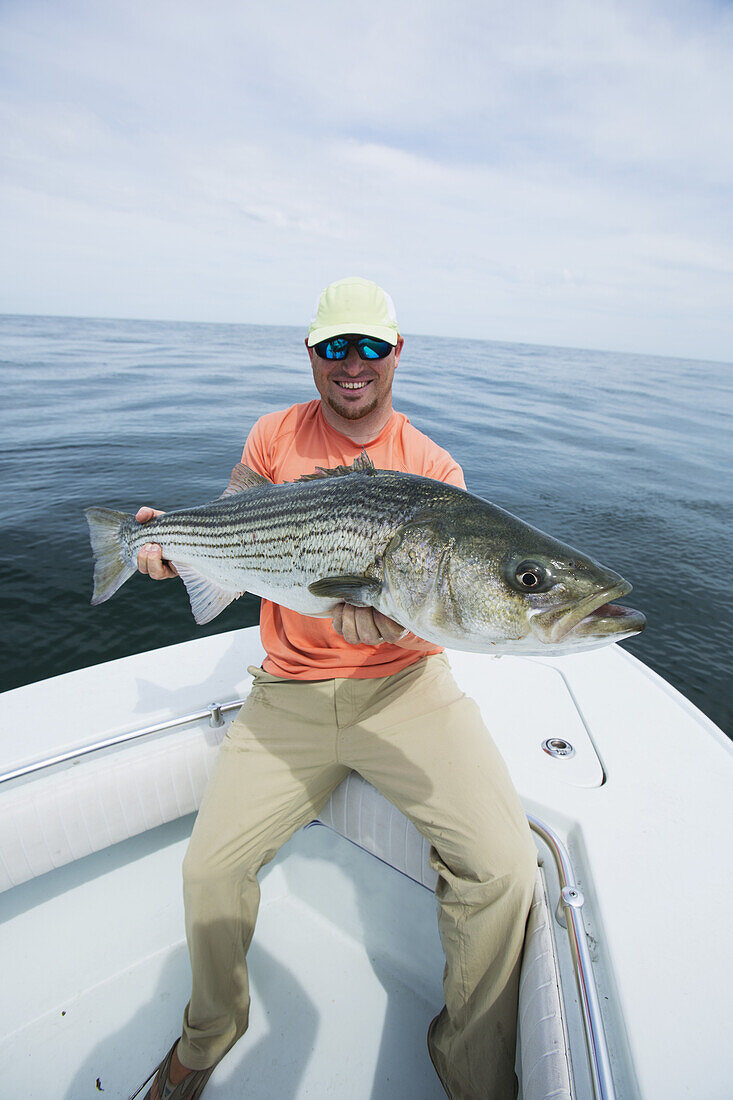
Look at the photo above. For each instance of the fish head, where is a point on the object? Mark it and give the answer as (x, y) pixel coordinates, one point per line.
(491, 583)
(565, 599)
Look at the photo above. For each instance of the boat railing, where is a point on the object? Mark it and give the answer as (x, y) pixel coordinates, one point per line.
(569, 914)
(213, 712)
(569, 909)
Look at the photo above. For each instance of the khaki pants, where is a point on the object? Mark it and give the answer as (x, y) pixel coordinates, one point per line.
(422, 743)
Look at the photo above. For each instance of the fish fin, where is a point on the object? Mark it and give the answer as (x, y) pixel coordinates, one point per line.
(208, 599)
(361, 465)
(243, 478)
(111, 569)
(358, 591)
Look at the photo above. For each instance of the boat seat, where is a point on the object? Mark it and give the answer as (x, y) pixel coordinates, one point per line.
(55, 817)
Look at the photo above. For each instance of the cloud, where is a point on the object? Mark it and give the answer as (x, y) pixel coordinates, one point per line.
(553, 172)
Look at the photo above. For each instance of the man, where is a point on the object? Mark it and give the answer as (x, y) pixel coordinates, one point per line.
(358, 693)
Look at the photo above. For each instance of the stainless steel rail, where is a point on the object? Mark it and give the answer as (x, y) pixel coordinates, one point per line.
(572, 900)
(213, 712)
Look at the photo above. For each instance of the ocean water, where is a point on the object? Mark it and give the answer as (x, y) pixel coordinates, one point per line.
(626, 457)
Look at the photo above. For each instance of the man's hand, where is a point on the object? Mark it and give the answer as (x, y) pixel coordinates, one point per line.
(367, 626)
(150, 558)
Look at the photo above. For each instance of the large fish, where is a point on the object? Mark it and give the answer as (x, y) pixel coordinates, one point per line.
(453, 568)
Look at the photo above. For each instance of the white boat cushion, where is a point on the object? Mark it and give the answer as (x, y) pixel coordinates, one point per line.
(359, 812)
(542, 1044)
(54, 817)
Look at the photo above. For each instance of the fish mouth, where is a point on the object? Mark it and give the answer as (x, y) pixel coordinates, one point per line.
(611, 619)
(593, 616)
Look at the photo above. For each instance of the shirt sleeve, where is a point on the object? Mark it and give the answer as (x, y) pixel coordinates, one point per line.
(255, 453)
(451, 473)
(442, 467)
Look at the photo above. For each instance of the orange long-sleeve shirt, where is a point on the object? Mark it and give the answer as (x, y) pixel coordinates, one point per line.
(287, 444)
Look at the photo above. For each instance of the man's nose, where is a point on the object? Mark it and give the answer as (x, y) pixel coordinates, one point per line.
(352, 362)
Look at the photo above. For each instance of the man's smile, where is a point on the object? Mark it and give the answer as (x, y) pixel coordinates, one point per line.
(351, 385)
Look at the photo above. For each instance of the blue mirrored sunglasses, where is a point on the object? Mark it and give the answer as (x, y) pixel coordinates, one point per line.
(367, 347)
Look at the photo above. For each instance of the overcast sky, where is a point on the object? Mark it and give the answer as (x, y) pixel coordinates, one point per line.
(544, 171)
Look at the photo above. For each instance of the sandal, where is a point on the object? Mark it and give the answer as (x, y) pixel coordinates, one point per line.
(190, 1088)
(431, 1029)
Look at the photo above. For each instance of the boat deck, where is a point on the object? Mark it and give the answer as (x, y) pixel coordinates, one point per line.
(346, 947)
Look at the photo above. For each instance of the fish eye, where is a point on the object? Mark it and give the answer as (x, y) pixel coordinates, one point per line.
(530, 576)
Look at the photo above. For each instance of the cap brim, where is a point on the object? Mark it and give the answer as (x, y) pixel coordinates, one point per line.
(379, 332)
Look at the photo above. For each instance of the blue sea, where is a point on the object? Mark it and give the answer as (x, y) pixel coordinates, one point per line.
(626, 457)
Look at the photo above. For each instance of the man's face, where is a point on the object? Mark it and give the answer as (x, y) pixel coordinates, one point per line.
(355, 387)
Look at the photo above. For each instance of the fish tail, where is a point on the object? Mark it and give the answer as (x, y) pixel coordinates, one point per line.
(111, 569)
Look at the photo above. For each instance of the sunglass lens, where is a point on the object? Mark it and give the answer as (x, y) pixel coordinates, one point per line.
(332, 349)
(374, 349)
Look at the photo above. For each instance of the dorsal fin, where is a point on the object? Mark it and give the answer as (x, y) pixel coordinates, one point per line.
(361, 465)
(242, 479)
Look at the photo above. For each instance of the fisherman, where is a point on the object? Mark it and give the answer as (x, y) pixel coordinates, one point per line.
(358, 692)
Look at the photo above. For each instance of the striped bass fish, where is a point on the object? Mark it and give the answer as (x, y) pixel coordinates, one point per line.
(451, 567)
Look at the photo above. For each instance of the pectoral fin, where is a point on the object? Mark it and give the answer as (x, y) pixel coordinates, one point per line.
(208, 599)
(359, 591)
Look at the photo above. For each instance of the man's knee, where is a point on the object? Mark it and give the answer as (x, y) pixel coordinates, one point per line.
(203, 868)
(199, 869)
(510, 865)
(523, 858)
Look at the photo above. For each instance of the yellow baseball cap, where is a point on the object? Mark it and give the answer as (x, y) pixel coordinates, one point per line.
(354, 306)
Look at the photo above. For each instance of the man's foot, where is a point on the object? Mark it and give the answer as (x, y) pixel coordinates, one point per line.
(173, 1081)
(176, 1073)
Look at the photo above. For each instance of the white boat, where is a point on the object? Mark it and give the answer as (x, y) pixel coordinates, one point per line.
(626, 976)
